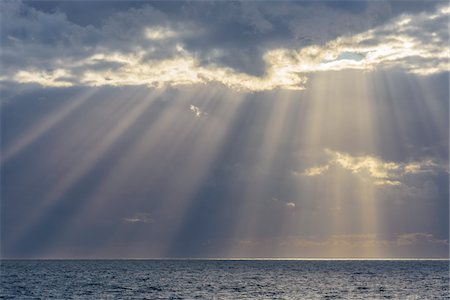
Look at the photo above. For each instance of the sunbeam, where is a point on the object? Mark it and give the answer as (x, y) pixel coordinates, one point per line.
(127, 113)
(291, 130)
(224, 149)
(44, 125)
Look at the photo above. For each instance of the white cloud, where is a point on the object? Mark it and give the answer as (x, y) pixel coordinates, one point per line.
(159, 33)
(383, 172)
(290, 204)
(315, 170)
(160, 56)
(372, 167)
(405, 43)
(182, 69)
(196, 110)
(139, 218)
(56, 78)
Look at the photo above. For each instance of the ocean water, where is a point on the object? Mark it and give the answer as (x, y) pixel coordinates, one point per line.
(224, 279)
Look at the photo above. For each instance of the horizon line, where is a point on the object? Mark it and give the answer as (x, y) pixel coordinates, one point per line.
(252, 258)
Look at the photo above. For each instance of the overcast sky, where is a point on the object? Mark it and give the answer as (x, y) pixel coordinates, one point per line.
(224, 129)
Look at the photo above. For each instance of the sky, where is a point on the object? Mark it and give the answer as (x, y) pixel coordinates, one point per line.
(213, 129)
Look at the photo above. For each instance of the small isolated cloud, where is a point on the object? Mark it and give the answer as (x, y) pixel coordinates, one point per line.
(139, 218)
(382, 172)
(316, 170)
(290, 204)
(196, 110)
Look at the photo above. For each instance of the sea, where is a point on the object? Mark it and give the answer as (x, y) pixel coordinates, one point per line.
(224, 279)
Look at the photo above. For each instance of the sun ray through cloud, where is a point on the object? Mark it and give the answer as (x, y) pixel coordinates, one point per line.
(225, 129)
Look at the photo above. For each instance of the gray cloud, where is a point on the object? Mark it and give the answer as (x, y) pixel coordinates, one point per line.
(412, 245)
(139, 218)
(144, 46)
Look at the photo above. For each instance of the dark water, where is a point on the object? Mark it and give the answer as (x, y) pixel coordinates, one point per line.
(224, 279)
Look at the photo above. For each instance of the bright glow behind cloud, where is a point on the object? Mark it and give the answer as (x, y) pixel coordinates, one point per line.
(409, 42)
(159, 33)
(372, 167)
(50, 79)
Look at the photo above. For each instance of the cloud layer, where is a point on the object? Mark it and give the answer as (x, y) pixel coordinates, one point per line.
(145, 46)
(407, 244)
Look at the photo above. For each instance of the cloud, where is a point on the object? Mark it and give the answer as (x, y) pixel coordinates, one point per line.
(418, 238)
(412, 43)
(290, 204)
(196, 110)
(139, 218)
(159, 33)
(381, 172)
(415, 244)
(315, 170)
(370, 240)
(253, 15)
(56, 78)
(146, 47)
